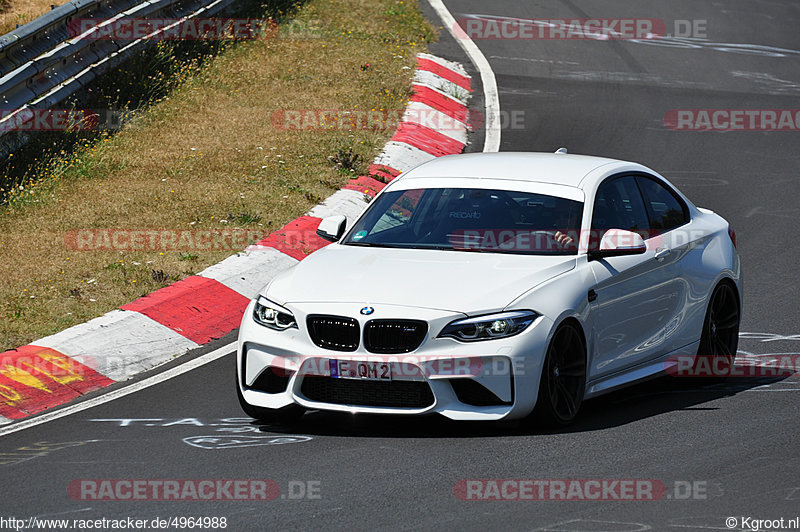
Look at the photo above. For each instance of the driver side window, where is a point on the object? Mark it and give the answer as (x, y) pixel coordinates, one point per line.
(618, 205)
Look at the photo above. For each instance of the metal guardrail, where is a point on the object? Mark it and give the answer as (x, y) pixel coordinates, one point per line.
(42, 64)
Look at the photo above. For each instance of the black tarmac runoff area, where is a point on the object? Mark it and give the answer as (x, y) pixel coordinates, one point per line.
(720, 456)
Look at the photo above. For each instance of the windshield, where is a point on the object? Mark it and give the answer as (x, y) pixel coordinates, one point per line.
(467, 219)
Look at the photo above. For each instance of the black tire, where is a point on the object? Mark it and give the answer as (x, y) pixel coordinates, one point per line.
(285, 416)
(719, 340)
(563, 380)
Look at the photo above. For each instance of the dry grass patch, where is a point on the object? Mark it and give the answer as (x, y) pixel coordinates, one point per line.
(206, 157)
(19, 12)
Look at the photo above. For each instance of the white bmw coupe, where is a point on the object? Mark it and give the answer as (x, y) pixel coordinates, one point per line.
(508, 284)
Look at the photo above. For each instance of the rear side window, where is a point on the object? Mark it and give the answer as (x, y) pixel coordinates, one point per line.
(666, 211)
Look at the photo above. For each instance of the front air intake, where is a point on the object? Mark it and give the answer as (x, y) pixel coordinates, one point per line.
(272, 380)
(392, 394)
(473, 393)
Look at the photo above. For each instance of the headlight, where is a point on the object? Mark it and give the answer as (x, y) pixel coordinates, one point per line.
(273, 316)
(501, 325)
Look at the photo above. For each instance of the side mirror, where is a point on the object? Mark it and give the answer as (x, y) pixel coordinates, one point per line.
(617, 242)
(332, 227)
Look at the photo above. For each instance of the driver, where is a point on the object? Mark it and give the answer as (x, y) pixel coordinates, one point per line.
(564, 239)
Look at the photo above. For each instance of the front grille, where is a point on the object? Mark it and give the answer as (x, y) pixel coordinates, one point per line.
(394, 336)
(399, 394)
(337, 333)
(471, 392)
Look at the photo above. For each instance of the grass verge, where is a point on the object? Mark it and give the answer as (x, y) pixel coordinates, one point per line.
(15, 13)
(210, 156)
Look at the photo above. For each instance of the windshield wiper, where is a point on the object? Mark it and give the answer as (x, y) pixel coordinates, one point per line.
(399, 246)
(438, 247)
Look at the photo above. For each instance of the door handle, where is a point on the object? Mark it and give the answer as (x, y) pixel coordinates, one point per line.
(662, 253)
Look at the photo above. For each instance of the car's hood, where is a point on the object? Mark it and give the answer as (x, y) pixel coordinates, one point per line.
(456, 281)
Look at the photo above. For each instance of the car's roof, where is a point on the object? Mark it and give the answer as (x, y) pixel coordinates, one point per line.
(555, 168)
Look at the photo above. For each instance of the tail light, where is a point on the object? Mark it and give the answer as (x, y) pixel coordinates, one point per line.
(732, 234)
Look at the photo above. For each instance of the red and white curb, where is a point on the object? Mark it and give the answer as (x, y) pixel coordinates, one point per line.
(441, 89)
(198, 309)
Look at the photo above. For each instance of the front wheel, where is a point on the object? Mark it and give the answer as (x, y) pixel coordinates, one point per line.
(563, 380)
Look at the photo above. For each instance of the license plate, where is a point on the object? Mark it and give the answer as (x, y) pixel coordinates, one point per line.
(353, 369)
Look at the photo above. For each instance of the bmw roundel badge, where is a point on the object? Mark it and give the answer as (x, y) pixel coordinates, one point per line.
(366, 311)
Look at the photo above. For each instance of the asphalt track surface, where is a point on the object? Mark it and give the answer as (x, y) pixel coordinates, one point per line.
(736, 441)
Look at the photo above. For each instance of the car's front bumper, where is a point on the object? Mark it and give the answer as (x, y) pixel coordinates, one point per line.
(279, 368)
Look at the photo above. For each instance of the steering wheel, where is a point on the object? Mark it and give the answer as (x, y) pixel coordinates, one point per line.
(552, 236)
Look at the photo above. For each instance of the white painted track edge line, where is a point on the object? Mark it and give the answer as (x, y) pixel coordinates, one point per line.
(491, 94)
(120, 392)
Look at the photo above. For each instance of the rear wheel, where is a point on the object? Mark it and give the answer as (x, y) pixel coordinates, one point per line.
(285, 416)
(720, 338)
(563, 379)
